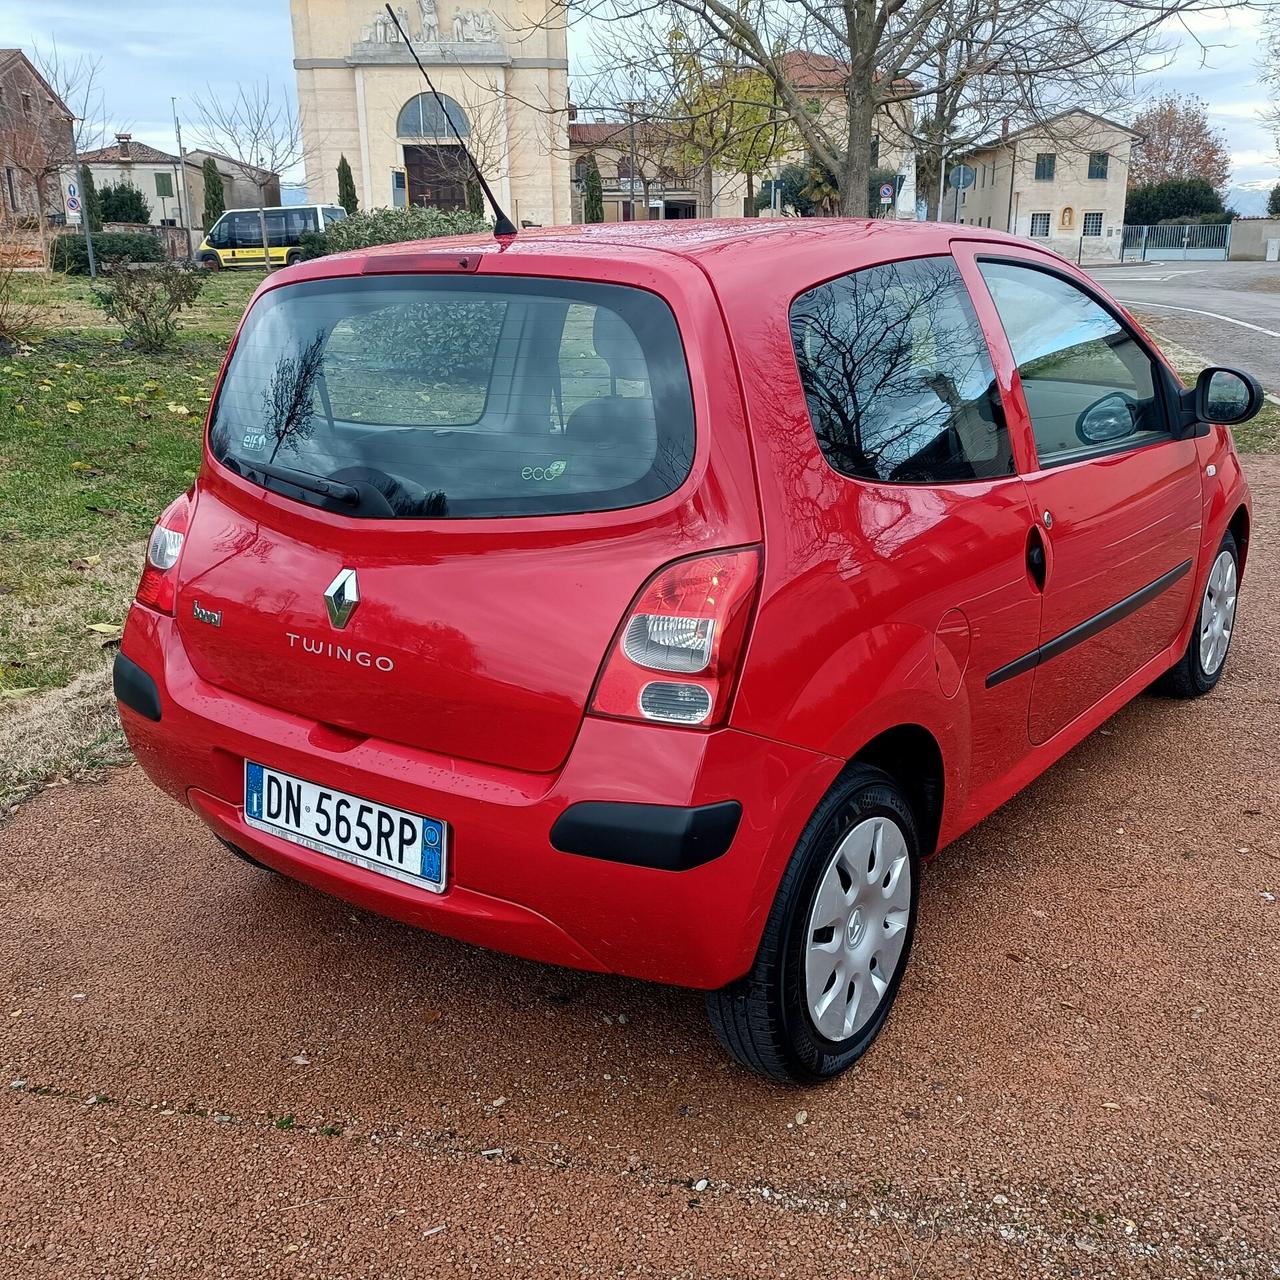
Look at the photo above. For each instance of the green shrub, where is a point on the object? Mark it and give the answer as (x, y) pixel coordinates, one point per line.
(390, 226)
(123, 202)
(1173, 198)
(145, 300)
(68, 252)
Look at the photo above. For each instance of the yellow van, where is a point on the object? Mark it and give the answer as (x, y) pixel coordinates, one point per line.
(235, 240)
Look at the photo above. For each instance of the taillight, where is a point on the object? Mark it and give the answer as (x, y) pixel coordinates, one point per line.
(159, 585)
(676, 657)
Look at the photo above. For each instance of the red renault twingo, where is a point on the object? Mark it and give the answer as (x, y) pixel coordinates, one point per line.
(652, 599)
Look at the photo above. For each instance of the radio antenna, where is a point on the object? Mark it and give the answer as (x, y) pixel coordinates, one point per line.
(502, 225)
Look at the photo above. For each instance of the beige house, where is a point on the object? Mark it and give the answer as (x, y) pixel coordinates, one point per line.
(663, 185)
(502, 71)
(1061, 183)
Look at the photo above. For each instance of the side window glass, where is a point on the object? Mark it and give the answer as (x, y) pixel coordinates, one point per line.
(218, 237)
(897, 376)
(1089, 386)
(245, 232)
(276, 236)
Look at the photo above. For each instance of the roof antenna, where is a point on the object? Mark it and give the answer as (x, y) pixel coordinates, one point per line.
(502, 225)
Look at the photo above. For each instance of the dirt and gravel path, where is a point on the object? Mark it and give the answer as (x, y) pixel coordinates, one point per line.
(210, 1071)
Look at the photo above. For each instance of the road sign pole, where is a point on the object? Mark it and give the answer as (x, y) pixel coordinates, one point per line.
(76, 204)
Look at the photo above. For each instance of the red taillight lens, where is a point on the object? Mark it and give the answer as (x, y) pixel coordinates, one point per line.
(159, 585)
(676, 657)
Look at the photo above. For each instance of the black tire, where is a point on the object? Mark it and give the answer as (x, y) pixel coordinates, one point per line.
(763, 1019)
(244, 857)
(211, 262)
(1189, 679)
(292, 258)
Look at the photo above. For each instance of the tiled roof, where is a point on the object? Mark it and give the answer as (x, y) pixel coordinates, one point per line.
(139, 153)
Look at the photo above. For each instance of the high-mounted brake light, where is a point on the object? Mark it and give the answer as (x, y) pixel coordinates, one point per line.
(158, 588)
(677, 655)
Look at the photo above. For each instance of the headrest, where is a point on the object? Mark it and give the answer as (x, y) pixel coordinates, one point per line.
(616, 344)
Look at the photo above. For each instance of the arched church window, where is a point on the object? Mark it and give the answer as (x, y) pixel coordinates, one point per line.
(421, 117)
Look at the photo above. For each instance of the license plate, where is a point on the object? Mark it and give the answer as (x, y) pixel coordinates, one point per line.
(404, 846)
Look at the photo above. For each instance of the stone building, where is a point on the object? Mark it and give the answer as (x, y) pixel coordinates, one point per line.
(1061, 183)
(502, 71)
(36, 142)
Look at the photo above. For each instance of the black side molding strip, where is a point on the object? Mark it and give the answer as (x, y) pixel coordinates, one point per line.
(664, 837)
(135, 688)
(1089, 628)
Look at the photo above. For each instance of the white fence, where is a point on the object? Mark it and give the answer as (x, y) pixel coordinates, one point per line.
(1176, 242)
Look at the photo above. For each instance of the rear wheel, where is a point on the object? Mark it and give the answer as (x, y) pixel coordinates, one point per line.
(1201, 666)
(836, 942)
(293, 257)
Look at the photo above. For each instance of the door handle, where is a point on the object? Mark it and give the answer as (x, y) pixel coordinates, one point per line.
(1037, 561)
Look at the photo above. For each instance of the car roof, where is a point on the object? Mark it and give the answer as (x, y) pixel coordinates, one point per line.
(723, 247)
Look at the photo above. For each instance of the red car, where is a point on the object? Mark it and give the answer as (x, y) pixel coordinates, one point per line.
(653, 599)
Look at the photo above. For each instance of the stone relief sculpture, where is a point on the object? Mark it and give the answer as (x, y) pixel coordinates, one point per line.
(469, 26)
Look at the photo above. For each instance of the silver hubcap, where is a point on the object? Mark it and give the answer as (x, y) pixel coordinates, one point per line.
(857, 927)
(1218, 613)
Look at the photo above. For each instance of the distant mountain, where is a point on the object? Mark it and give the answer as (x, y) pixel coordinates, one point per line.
(1249, 199)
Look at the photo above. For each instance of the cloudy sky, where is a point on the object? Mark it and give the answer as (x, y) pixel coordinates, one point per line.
(155, 49)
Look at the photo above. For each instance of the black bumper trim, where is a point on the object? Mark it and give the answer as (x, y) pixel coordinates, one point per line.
(663, 837)
(135, 688)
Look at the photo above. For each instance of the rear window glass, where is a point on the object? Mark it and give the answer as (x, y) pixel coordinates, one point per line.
(460, 397)
(897, 376)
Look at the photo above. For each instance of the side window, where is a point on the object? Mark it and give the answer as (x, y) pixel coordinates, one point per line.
(219, 234)
(244, 230)
(276, 234)
(1089, 386)
(897, 376)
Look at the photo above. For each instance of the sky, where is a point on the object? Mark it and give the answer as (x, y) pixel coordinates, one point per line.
(153, 50)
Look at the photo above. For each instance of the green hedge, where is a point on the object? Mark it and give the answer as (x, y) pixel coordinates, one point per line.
(69, 253)
(390, 226)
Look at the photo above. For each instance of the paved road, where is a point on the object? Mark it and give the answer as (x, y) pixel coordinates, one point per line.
(1177, 294)
(211, 1071)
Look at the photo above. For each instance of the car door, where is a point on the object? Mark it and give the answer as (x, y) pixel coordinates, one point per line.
(1116, 494)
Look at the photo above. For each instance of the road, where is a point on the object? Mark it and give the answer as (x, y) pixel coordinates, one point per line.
(213, 1071)
(1241, 299)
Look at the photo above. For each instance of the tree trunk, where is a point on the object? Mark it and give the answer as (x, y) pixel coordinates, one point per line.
(751, 195)
(856, 170)
(927, 166)
(262, 229)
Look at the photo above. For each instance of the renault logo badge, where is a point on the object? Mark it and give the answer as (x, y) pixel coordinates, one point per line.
(342, 597)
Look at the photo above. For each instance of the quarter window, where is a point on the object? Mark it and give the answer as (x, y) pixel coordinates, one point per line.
(1045, 163)
(1098, 161)
(1039, 224)
(897, 377)
(1089, 386)
(1092, 224)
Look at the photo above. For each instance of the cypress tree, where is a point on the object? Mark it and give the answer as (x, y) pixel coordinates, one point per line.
(90, 200)
(592, 192)
(215, 196)
(475, 198)
(346, 187)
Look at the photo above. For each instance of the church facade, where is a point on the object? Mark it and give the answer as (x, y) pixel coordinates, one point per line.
(502, 72)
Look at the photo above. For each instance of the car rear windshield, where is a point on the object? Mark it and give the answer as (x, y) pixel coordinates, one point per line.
(455, 397)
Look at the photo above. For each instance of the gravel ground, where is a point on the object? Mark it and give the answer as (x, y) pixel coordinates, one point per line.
(211, 1071)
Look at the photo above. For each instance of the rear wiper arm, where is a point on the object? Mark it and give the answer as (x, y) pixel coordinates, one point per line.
(347, 494)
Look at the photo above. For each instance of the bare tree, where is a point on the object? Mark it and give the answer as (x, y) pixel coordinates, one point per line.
(77, 81)
(944, 70)
(260, 134)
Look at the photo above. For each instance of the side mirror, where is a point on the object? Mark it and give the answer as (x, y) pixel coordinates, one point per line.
(1108, 419)
(1226, 396)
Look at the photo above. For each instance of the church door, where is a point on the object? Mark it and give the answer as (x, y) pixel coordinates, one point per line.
(436, 176)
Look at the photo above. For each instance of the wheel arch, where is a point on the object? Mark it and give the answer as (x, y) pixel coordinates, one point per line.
(912, 757)
(1238, 527)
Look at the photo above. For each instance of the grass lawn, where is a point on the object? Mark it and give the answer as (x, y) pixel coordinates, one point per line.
(95, 439)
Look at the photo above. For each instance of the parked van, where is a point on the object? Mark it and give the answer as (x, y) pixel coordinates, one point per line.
(655, 598)
(235, 240)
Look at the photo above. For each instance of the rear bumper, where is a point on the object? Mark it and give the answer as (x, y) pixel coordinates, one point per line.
(725, 806)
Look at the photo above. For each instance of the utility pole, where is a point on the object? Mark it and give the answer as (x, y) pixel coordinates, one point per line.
(184, 197)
